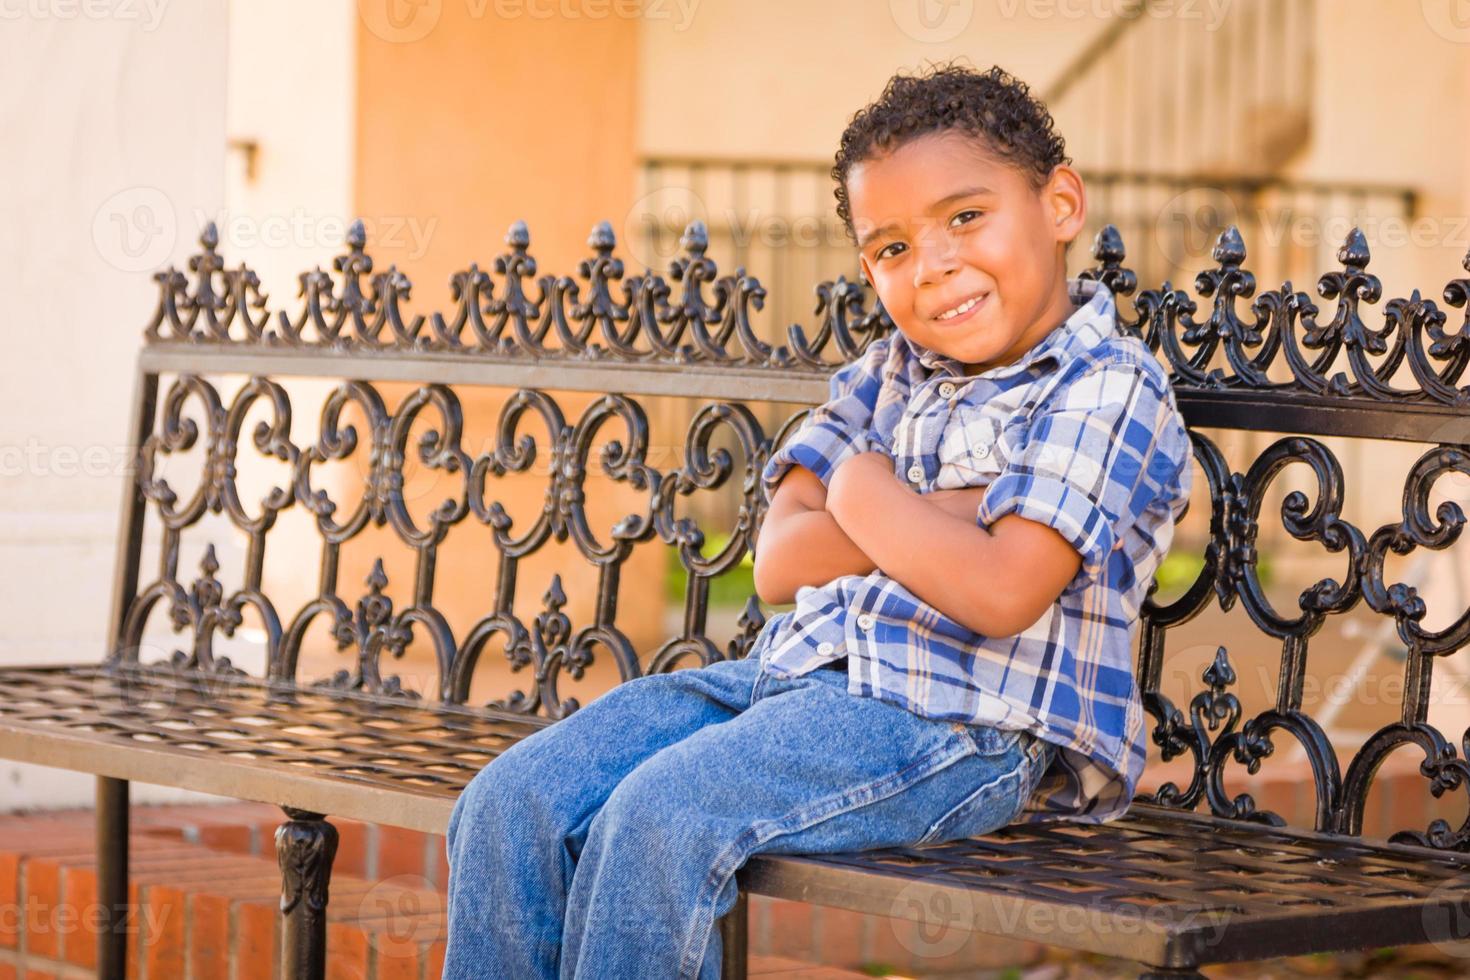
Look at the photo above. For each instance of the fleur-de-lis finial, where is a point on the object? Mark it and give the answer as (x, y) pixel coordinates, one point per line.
(1353, 253)
(377, 579)
(1229, 248)
(695, 239)
(602, 240)
(518, 237)
(209, 564)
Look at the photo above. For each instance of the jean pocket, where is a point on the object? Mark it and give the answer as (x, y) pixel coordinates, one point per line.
(1008, 760)
(990, 740)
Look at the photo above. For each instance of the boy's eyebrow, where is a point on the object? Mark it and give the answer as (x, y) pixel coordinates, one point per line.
(863, 240)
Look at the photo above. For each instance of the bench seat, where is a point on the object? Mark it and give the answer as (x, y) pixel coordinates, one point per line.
(1163, 887)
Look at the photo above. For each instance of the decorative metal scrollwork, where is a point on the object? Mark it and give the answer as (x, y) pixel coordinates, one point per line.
(1270, 349)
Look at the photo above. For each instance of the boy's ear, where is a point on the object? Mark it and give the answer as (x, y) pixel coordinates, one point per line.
(1066, 199)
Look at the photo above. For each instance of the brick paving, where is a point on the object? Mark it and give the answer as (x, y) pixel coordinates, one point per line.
(207, 886)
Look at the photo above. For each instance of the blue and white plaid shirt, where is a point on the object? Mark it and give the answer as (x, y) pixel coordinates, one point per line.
(1081, 434)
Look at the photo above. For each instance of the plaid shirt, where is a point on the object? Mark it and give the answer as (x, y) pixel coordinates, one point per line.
(1081, 434)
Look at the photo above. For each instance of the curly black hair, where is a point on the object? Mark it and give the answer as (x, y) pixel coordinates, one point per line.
(993, 106)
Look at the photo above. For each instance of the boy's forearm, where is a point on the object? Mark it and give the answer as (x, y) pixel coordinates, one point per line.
(922, 547)
(808, 548)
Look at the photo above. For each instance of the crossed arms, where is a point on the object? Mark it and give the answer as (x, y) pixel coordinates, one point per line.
(996, 582)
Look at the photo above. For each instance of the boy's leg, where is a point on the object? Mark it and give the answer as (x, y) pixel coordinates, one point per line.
(518, 827)
(808, 769)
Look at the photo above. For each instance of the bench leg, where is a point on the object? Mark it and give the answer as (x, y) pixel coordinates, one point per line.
(305, 846)
(112, 877)
(734, 935)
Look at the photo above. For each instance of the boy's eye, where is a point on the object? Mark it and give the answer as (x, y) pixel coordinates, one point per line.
(973, 212)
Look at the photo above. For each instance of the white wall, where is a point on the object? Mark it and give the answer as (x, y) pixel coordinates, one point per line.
(116, 130)
(113, 125)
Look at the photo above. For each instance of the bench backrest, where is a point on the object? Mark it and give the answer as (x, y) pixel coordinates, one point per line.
(216, 356)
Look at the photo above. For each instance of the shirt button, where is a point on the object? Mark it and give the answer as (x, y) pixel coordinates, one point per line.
(866, 622)
(946, 389)
(982, 450)
(916, 473)
(824, 648)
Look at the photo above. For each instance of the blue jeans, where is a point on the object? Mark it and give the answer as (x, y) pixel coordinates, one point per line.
(604, 846)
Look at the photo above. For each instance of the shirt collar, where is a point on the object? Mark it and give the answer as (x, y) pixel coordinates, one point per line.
(1094, 320)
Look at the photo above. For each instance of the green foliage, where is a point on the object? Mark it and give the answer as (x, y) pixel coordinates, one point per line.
(1182, 566)
(1179, 568)
(730, 589)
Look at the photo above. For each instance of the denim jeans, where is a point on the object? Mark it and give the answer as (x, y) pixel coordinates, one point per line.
(604, 846)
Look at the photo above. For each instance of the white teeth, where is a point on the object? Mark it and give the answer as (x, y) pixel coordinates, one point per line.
(959, 309)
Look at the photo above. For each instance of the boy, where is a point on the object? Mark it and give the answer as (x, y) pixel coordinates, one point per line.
(968, 527)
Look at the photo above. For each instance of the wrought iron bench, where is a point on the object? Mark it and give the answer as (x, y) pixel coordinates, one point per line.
(1190, 876)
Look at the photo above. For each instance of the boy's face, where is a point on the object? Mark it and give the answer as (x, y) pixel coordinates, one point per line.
(941, 221)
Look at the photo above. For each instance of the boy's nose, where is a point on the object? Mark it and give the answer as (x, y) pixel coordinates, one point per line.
(935, 261)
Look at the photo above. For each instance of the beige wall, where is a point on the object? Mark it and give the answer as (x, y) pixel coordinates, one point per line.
(114, 132)
(472, 117)
(775, 78)
(486, 119)
(1375, 121)
(292, 92)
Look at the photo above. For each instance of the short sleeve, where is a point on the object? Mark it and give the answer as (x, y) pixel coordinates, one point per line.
(1100, 451)
(839, 427)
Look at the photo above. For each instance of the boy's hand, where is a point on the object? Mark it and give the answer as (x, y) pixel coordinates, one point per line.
(856, 473)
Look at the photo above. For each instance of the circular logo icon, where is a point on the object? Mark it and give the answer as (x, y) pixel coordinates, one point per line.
(932, 21)
(1452, 484)
(1446, 916)
(654, 226)
(134, 230)
(400, 21)
(407, 912)
(1448, 19)
(129, 689)
(1188, 224)
(942, 919)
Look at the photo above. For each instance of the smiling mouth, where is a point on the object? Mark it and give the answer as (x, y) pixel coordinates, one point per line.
(963, 310)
